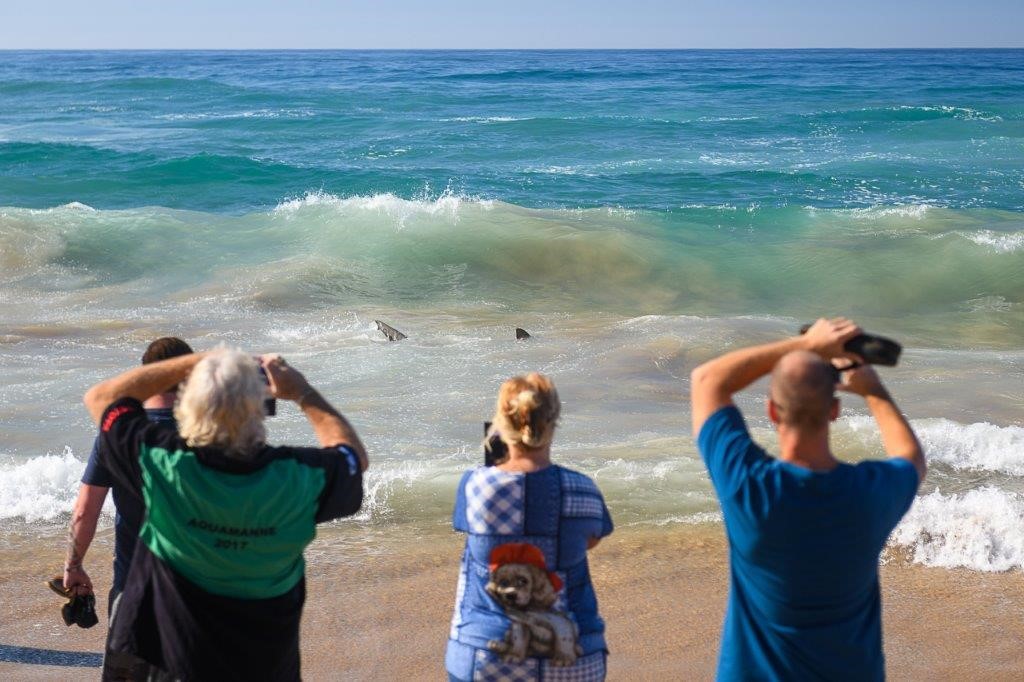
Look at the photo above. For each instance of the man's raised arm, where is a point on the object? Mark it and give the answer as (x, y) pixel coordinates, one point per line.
(713, 383)
(139, 383)
(897, 436)
(331, 428)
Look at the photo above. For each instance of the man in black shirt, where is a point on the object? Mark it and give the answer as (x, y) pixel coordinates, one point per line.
(96, 482)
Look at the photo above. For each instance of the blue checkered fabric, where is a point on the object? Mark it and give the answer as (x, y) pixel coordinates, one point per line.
(580, 496)
(494, 502)
(460, 592)
(489, 668)
(575, 482)
(586, 669)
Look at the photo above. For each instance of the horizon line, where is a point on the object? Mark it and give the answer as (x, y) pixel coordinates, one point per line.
(497, 49)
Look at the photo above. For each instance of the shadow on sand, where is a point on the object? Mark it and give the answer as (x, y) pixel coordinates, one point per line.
(33, 656)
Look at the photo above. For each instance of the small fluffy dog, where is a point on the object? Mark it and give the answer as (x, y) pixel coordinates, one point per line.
(526, 594)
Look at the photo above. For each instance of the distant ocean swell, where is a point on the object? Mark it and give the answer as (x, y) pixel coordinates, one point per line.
(770, 168)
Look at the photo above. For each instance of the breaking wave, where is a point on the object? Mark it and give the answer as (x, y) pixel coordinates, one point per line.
(41, 488)
(981, 529)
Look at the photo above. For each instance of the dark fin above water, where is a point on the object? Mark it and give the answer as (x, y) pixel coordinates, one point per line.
(390, 332)
(522, 334)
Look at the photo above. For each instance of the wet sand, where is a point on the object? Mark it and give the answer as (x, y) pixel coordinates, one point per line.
(383, 615)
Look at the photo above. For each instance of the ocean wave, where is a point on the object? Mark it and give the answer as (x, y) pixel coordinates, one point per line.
(382, 481)
(321, 248)
(981, 529)
(695, 519)
(907, 112)
(227, 116)
(485, 119)
(909, 211)
(998, 242)
(446, 205)
(988, 304)
(965, 447)
(734, 160)
(40, 489)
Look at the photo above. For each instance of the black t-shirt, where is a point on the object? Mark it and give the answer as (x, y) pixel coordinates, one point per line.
(128, 506)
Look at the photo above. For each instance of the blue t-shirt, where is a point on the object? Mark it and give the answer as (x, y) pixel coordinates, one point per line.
(129, 508)
(803, 558)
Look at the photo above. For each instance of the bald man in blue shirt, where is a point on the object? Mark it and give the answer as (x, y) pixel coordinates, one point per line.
(805, 529)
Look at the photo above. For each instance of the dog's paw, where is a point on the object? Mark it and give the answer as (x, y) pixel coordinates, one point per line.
(563, 661)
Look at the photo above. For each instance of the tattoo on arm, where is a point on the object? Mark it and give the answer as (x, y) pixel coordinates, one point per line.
(74, 556)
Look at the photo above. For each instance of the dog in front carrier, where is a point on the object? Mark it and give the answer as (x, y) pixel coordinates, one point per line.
(520, 583)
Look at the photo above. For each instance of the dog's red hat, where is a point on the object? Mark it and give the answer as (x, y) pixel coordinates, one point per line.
(523, 553)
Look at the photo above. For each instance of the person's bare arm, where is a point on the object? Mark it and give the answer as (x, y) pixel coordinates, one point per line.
(330, 427)
(84, 516)
(898, 438)
(713, 383)
(139, 383)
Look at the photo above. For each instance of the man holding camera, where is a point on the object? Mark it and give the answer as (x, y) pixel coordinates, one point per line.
(216, 586)
(805, 530)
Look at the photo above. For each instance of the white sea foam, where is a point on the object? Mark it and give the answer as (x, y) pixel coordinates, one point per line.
(911, 211)
(982, 304)
(382, 480)
(227, 116)
(690, 519)
(710, 207)
(562, 170)
(626, 470)
(999, 242)
(447, 205)
(960, 113)
(41, 488)
(485, 119)
(740, 159)
(77, 206)
(967, 447)
(981, 529)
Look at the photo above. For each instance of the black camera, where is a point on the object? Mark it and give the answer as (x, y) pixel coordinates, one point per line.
(495, 450)
(875, 350)
(269, 404)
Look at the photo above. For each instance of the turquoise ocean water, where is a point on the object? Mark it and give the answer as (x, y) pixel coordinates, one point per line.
(636, 211)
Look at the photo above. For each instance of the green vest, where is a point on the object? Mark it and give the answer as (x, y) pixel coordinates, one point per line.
(234, 534)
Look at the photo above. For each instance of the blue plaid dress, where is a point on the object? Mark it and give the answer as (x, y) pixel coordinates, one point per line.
(558, 511)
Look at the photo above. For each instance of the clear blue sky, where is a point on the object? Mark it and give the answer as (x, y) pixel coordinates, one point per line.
(360, 24)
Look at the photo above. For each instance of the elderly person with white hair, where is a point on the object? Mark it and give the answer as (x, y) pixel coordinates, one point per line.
(217, 584)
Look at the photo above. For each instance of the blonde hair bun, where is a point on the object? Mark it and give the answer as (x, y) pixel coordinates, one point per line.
(527, 411)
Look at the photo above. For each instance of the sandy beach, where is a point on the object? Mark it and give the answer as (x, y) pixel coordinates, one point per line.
(384, 615)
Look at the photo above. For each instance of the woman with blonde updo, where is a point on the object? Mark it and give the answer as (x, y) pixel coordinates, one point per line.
(525, 608)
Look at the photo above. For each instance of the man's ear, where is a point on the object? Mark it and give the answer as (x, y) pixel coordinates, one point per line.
(833, 413)
(773, 411)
